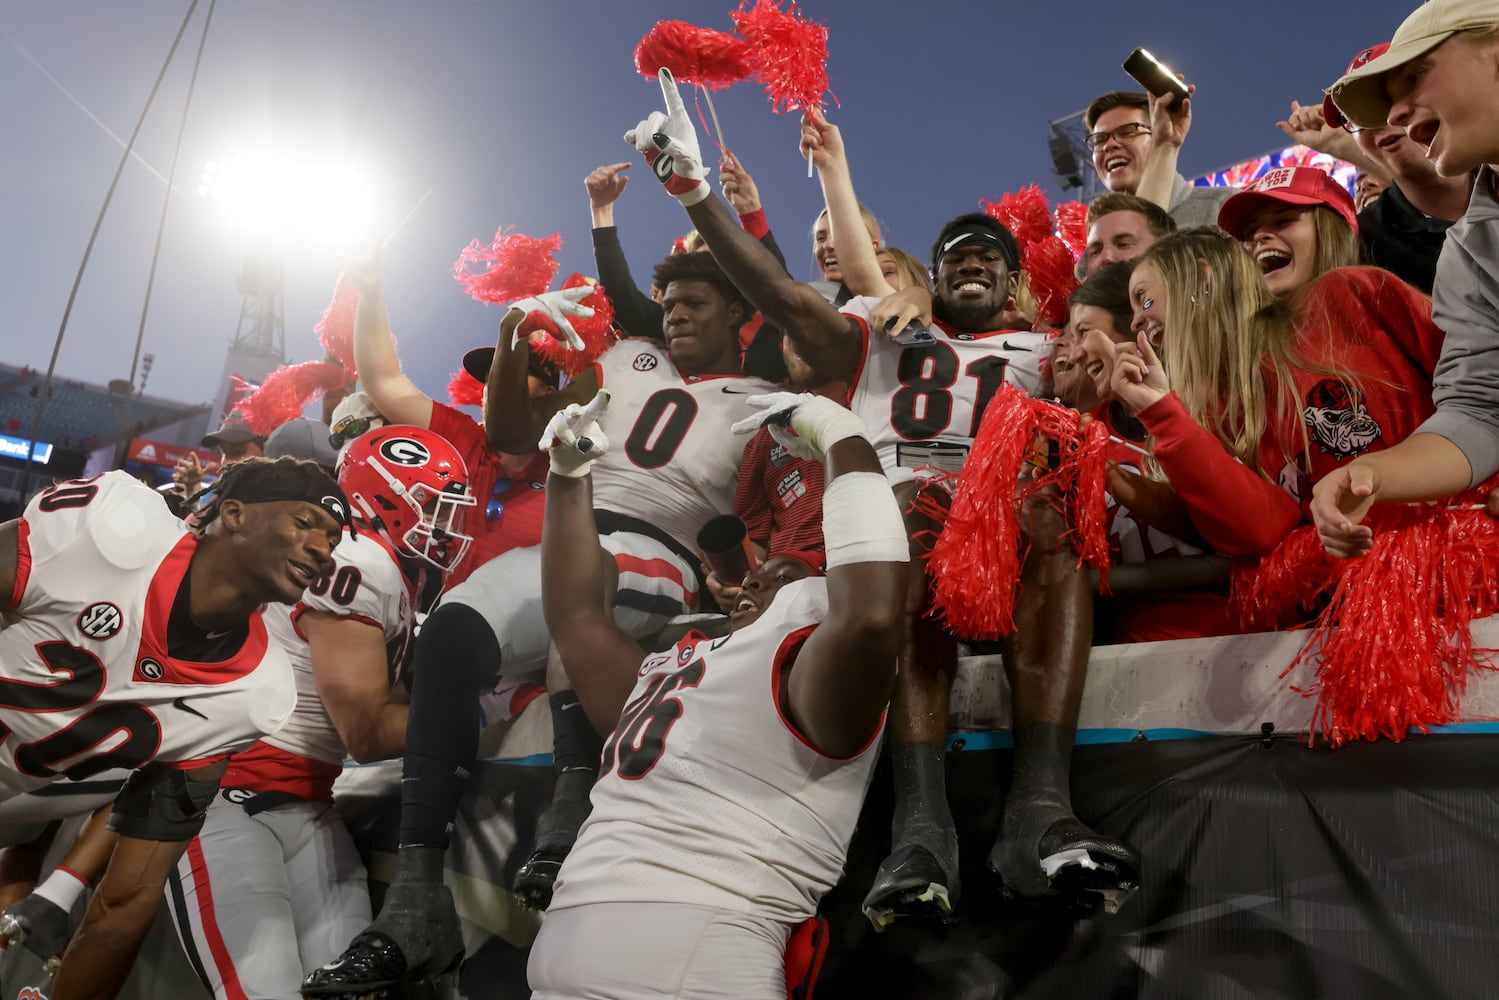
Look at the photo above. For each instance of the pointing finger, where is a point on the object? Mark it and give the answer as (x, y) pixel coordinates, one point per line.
(670, 93)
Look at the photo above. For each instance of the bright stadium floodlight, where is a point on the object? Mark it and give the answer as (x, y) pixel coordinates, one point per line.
(269, 194)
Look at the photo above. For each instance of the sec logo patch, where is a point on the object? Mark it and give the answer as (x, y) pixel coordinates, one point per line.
(101, 620)
(644, 362)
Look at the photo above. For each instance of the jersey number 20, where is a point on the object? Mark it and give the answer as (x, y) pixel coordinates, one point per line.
(134, 731)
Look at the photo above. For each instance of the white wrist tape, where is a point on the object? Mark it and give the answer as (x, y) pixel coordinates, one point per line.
(822, 423)
(62, 887)
(861, 521)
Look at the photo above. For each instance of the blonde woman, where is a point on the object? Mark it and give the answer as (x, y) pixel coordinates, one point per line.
(1264, 399)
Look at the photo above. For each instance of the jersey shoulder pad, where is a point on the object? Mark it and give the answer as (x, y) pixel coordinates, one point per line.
(366, 581)
(124, 521)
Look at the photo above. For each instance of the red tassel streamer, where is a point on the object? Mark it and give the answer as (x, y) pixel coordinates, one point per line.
(286, 392)
(1393, 648)
(597, 331)
(789, 54)
(975, 562)
(465, 390)
(1072, 226)
(1284, 588)
(700, 56)
(1051, 276)
(512, 267)
(335, 331)
(1026, 213)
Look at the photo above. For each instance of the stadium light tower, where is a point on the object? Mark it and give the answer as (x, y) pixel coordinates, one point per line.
(1072, 159)
(273, 200)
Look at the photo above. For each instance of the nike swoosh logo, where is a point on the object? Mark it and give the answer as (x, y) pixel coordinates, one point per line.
(1007, 346)
(737, 392)
(181, 703)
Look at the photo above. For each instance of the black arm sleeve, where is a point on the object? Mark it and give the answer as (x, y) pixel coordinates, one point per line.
(768, 241)
(635, 312)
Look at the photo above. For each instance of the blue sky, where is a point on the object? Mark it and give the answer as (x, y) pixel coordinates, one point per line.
(500, 108)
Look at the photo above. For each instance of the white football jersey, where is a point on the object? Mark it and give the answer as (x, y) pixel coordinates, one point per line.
(672, 460)
(86, 682)
(706, 795)
(366, 584)
(923, 405)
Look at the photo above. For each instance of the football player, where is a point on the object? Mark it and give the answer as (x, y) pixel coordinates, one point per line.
(134, 641)
(273, 886)
(732, 783)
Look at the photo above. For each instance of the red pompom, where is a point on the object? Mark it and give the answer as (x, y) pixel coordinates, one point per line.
(700, 56)
(1393, 648)
(286, 392)
(465, 390)
(1050, 274)
(975, 562)
(789, 53)
(335, 331)
(513, 267)
(1026, 213)
(597, 331)
(1283, 589)
(1072, 226)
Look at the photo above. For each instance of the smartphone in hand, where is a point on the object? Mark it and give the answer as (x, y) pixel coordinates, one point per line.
(1155, 76)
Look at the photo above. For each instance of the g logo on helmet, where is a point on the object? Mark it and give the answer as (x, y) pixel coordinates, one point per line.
(405, 451)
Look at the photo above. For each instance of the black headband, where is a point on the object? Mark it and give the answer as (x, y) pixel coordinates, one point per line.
(970, 234)
(272, 488)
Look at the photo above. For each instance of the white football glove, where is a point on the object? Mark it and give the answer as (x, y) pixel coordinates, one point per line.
(807, 425)
(573, 437)
(669, 144)
(557, 306)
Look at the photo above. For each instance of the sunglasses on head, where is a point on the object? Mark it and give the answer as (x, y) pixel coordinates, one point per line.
(350, 428)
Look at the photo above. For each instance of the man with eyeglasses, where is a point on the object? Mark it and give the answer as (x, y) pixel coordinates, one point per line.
(1122, 141)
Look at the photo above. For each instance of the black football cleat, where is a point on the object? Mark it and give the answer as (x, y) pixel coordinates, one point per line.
(536, 877)
(1067, 860)
(913, 883)
(556, 833)
(416, 919)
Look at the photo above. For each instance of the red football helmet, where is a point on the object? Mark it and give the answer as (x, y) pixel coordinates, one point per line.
(411, 485)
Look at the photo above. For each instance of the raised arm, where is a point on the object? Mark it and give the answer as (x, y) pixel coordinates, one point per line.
(635, 312)
(158, 812)
(349, 664)
(513, 420)
(1306, 125)
(601, 659)
(856, 258)
(842, 677)
(1170, 121)
(743, 196)
(826, 339)
(375, 352)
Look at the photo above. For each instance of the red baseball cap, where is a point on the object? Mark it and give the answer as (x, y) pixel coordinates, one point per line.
(1289, 186)
(1330, 112)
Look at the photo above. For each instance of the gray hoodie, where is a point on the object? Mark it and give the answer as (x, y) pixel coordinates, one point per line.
(1465, 304)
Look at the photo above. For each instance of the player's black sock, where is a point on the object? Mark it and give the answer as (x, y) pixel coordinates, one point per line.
(919, 774)
(1040, 797)
(576, 746)
(456, 652)
(1043, 762)
(575, 743)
